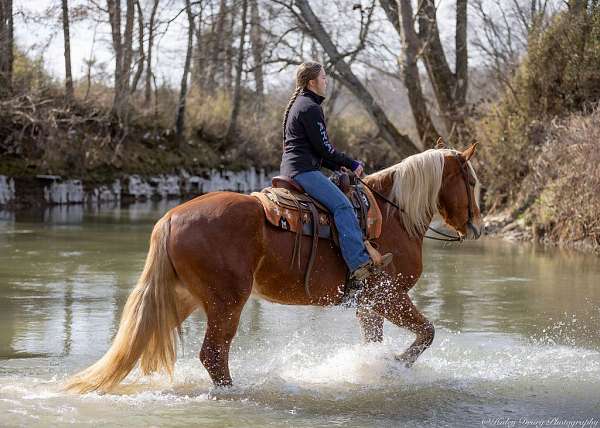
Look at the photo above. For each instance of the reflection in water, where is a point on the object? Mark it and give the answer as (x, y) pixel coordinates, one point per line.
(498, 286)
(517, 329)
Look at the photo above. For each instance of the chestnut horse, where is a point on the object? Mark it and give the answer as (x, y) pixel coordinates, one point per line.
(216, 250)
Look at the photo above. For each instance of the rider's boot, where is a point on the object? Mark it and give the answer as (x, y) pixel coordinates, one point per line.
(375, 263)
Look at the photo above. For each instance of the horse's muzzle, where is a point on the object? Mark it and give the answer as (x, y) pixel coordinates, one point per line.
(473, 232)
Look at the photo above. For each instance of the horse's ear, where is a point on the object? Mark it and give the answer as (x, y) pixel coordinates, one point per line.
(468, 154)
(439, 144)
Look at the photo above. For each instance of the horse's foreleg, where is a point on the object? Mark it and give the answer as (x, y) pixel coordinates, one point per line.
(403, 313)
(371, 324)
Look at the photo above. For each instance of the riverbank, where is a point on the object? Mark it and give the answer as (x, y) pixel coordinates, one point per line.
(506, 227)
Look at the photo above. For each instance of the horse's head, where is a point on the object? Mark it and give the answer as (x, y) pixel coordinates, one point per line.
(457, 201)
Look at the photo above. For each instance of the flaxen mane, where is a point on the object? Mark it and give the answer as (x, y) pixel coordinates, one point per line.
(416, 185)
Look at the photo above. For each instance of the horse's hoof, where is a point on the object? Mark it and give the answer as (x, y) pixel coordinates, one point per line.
(405, 360)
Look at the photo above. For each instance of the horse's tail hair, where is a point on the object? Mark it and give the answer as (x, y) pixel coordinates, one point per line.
(149, 326)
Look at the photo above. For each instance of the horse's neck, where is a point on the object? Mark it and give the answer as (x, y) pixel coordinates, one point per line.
(392, 223)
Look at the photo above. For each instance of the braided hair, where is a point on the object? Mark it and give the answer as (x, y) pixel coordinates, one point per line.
(306, 71)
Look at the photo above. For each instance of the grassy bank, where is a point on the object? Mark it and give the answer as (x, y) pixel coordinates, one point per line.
(40, 133)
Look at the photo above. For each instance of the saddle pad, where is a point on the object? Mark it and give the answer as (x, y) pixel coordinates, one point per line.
(282, 212)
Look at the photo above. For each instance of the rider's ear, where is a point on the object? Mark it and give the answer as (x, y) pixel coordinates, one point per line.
(468, 154)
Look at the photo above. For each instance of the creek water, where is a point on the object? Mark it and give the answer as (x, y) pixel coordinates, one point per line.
(517, 339)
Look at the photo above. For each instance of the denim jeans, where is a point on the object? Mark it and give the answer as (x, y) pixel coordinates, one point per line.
(323, 190)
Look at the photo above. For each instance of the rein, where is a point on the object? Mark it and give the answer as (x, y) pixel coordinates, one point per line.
(395, 205)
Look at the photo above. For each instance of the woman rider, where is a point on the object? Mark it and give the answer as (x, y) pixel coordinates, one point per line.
(306, 148)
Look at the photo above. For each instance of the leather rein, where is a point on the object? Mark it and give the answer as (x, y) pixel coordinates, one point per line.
(450, 238)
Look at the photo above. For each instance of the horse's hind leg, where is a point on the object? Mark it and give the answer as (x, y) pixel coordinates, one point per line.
(371, 324)
(402, 312)
(221, 326)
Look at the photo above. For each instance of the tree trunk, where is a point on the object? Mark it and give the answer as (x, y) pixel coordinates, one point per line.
(67, 43)
(180, 117)
(388, 131)
(200, 49)
(114, 17)
(6, 47)
(142, 56)
(462, 59)
(128, 46)
(257, 52)
(405, 27)
(229, 51)
(89, 63)
(148, 86)
(217, 45)
(235, 108)
(123, 47)
(450, 88)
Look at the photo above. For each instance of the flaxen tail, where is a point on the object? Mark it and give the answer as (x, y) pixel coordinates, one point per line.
(149, 325)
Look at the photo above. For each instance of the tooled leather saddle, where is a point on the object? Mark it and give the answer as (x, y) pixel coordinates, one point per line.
(288, 207)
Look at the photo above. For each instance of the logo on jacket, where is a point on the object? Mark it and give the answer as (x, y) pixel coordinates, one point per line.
(325, 138)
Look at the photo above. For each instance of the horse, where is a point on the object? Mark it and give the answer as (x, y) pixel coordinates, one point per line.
(215, 251)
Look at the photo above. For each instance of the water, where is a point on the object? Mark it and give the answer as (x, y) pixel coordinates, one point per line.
(518, 339)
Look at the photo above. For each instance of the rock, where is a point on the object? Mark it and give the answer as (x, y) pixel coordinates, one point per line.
(53, 190)
(7, 190)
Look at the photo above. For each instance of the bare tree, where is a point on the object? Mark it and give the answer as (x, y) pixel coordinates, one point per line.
(449, 87)
(123, 47)
(141, 55)
(257, 52)
(180, 116)
(229, 38)
(387, 129)
(404, 25)
(151, 30)
(216, 45)
(67, 44)
(235, 108)
(89, 63)
(200, 49)
(504, 33)
(6, 47)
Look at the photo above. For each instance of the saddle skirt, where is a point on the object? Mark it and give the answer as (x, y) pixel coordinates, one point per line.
(297, 212)
(291, 211)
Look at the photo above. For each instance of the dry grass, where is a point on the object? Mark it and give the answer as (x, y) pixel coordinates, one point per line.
(567, 179)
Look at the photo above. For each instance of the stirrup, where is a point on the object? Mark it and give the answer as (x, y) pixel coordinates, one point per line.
(370, 267)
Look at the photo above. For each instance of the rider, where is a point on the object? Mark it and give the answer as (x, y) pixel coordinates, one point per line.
(306, 148)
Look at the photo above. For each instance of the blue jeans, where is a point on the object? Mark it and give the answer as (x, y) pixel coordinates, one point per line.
(323, 190)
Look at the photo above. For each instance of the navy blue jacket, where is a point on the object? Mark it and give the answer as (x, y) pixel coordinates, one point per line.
(306, 146)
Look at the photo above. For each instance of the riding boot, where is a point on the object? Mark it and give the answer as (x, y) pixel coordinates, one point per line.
(375, 263)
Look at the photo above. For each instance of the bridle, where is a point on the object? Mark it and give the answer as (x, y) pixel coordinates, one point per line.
(450, 238)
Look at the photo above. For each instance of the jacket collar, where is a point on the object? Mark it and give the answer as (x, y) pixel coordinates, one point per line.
(316, 98)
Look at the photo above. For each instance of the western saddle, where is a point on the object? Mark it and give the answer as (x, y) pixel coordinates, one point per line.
(288, 207)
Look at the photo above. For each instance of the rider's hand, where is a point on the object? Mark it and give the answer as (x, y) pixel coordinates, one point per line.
(359, 170)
